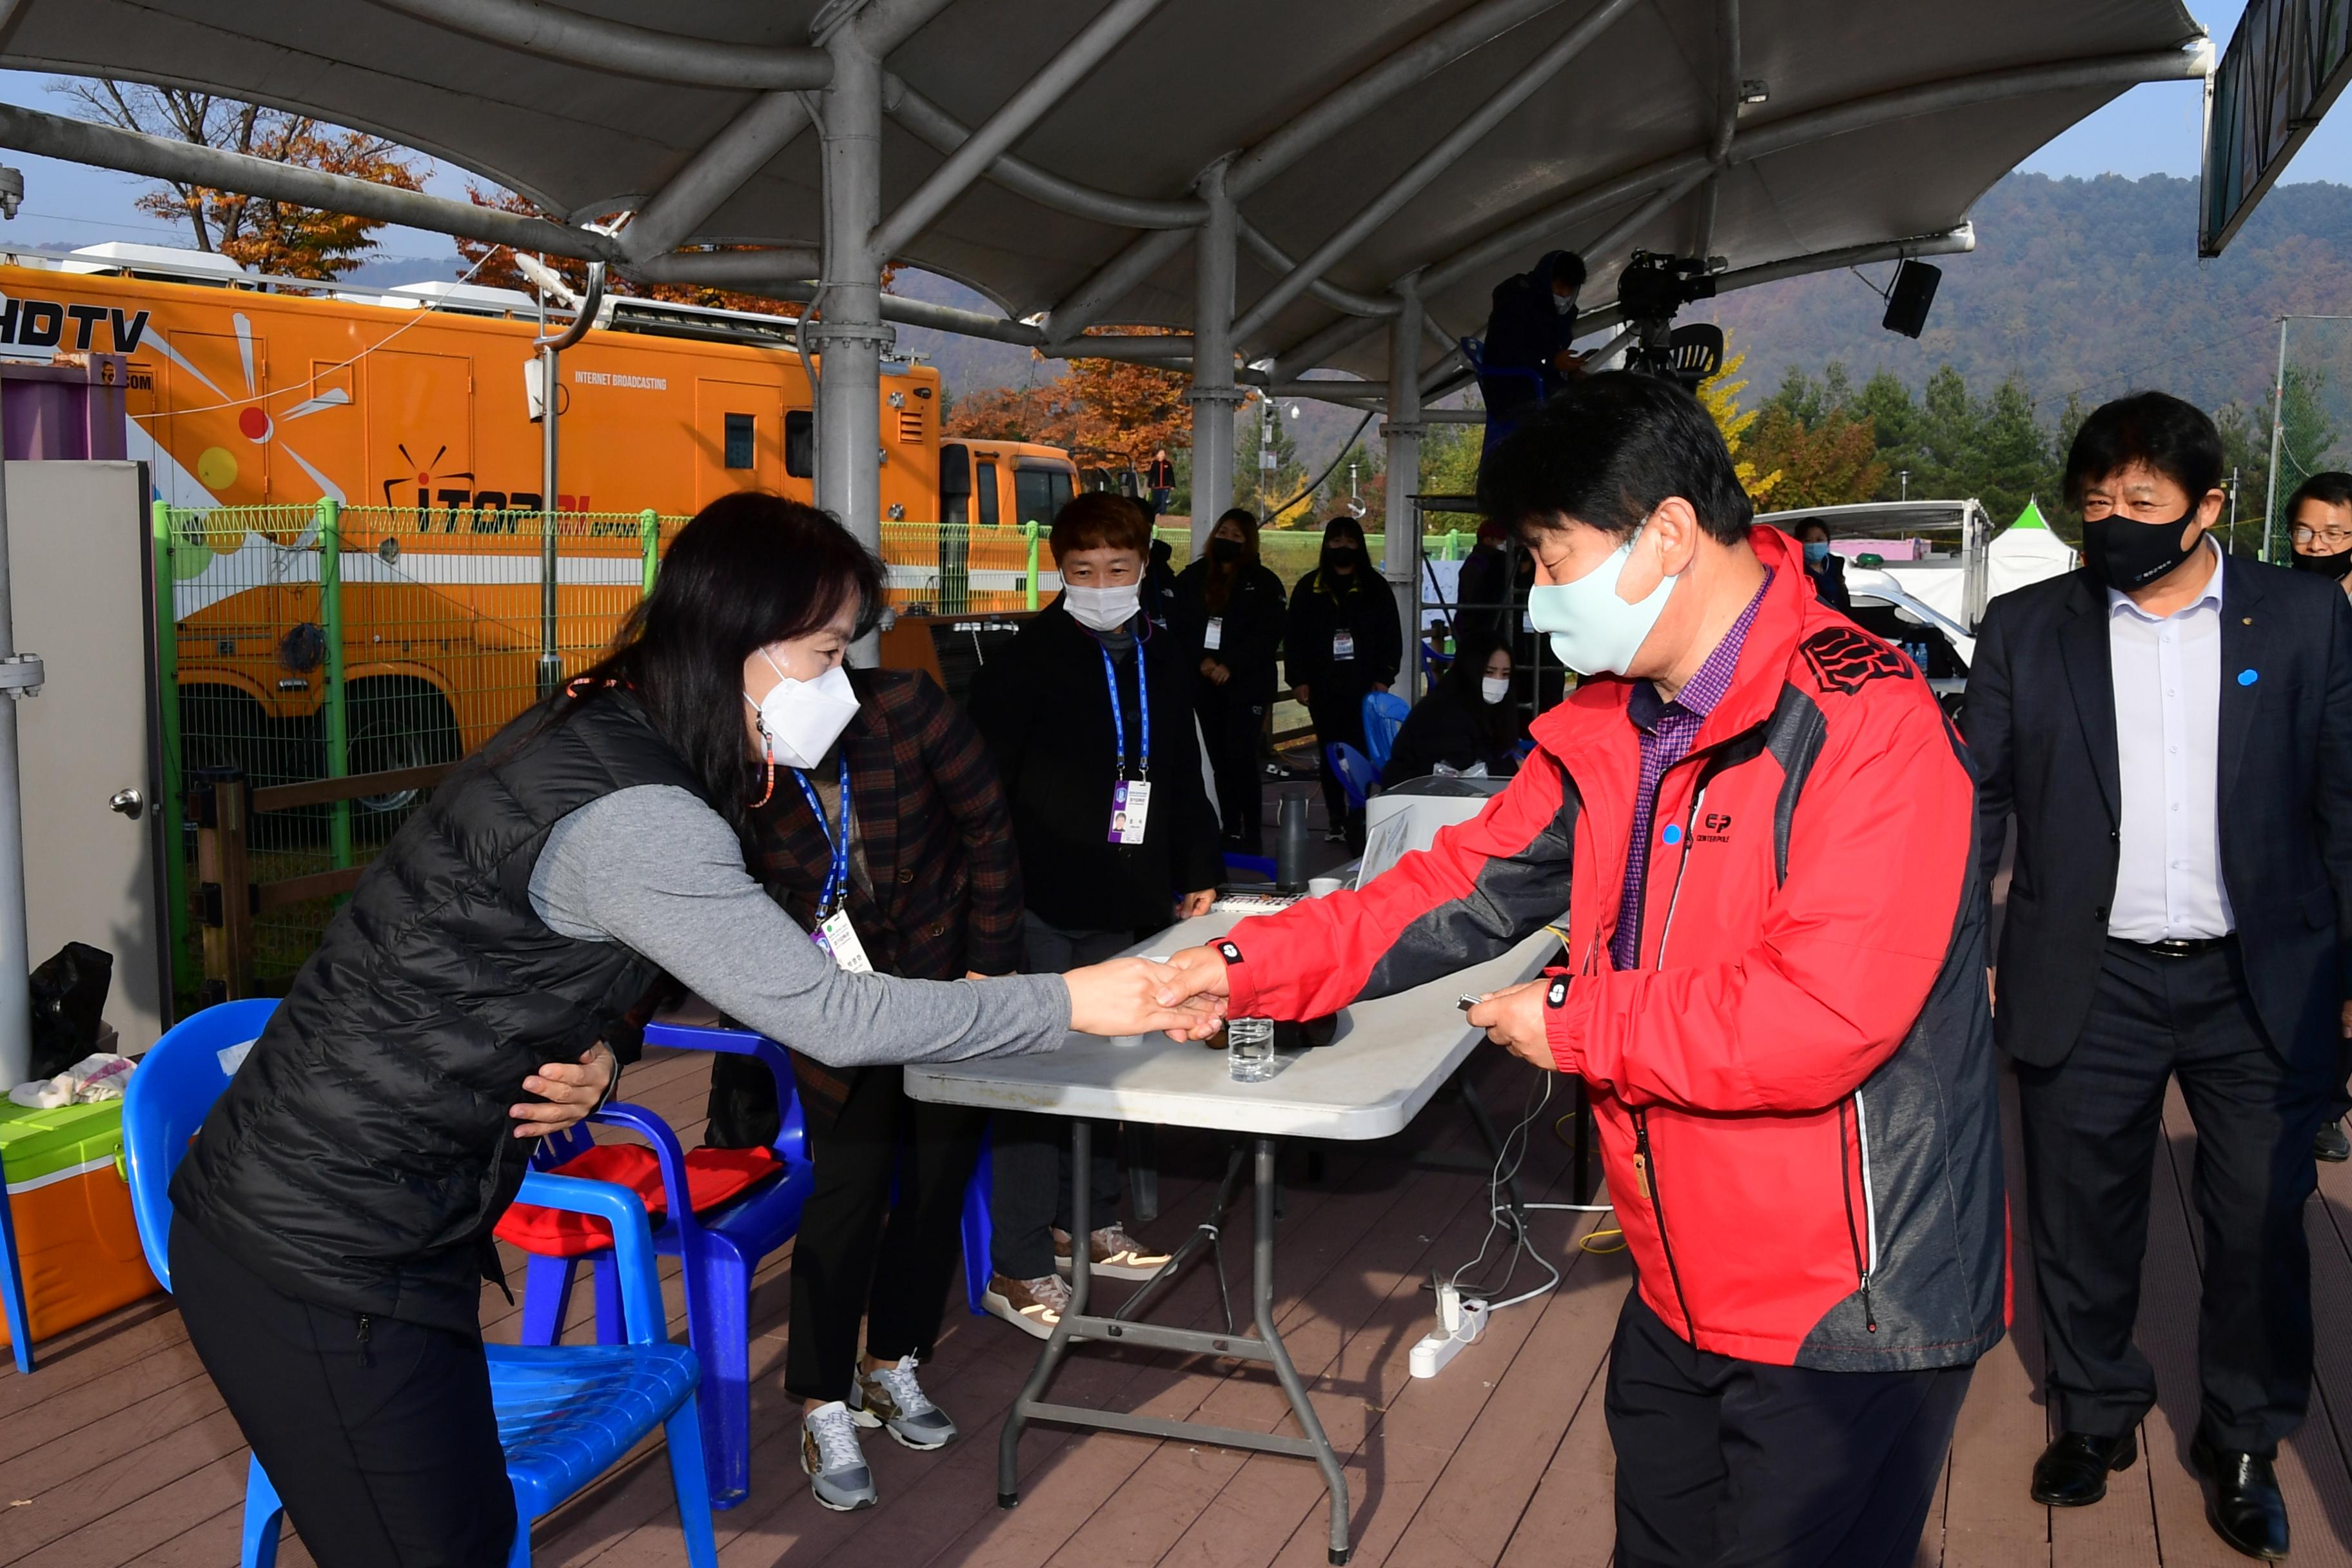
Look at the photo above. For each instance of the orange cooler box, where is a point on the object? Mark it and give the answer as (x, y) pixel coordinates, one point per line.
(77, 1245)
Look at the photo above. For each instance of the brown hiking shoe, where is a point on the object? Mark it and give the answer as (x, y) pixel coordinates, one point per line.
(1033, 1305)
(1115, 1254)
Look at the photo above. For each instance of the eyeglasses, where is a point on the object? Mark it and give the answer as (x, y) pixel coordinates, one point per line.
(2339, 537)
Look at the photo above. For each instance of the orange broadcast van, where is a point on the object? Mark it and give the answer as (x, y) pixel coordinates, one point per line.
(409, 406)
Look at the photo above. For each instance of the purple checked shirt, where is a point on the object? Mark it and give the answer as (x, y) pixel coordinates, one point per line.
(1667, 730)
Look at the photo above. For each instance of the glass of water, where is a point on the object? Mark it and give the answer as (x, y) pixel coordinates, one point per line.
(1249, 1050)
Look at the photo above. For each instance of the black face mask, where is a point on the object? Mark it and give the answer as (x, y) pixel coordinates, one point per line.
(2127, 553)
(1224, 552)
(2336, 566)
(1341, 559)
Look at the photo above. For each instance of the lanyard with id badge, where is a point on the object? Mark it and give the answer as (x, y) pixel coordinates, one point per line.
(834, 935)
(1130, 799)
(1343, 645)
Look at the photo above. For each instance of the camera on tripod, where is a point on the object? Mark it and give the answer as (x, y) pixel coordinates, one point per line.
(1650, 291)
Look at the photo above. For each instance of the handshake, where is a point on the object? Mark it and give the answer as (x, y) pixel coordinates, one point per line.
(1185, 995)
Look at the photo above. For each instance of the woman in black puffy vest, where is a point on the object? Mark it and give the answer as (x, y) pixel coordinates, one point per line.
(334, 1216)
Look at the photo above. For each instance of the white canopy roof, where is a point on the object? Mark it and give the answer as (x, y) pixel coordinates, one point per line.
(1459, 137)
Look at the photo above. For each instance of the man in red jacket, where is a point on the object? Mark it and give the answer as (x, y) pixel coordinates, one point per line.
(1761, 826)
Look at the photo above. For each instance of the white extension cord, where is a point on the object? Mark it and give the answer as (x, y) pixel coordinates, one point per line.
(1459, 1322)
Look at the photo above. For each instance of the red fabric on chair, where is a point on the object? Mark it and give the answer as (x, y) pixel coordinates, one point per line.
(713, 1177)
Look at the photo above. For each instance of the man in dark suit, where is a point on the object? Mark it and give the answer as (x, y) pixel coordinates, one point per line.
(2172, 729)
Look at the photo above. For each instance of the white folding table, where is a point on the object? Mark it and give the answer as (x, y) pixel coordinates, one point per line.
(1384, 1063)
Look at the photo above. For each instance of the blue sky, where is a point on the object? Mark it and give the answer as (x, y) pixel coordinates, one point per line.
(2151, 129)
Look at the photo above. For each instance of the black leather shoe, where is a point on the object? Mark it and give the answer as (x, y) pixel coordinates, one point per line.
(2246, 1509)
(2073, 1471)
(2331, 1144)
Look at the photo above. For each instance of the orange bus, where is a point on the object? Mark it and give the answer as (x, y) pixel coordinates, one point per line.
(252, 398)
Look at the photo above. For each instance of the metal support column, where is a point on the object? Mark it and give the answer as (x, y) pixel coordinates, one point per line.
(1213, 396)
(849, 335)
(550, 400)
(2278, 427)
(1404, 428)
(20, 674)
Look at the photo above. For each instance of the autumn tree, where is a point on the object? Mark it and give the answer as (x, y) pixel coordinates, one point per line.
(1719, 395)
(1106, 413)
(1834, 462)
(268, 236)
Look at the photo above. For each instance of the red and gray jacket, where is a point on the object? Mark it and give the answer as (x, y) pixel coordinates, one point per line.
(1794, 1086)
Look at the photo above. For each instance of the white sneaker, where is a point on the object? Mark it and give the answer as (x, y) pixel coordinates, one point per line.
(1033, 1305)
(890, 1398)
(834, 1464)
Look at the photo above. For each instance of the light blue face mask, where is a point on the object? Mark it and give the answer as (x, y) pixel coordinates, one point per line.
(1816, 551)
(1593, 631)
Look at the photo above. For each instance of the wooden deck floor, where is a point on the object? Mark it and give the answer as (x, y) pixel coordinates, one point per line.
(117, 1451)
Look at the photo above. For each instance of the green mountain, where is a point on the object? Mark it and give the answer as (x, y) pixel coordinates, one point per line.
(2087, 288)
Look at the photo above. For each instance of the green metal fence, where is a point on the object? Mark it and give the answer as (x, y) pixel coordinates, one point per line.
(304, 642)
(318, 642)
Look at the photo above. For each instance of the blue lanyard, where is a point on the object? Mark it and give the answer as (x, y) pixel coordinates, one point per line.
(837, 880)
(1118, 718)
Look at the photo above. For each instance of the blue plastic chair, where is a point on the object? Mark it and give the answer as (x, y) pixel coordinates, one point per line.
(566, 1414)
(1355, 771)
(1261, 866)
(1384, 715)
(980, 1224)
(720, 1250)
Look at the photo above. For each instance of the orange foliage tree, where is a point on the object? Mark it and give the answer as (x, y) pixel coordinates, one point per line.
(1106, 412)
(1833, 462)
(269, 237)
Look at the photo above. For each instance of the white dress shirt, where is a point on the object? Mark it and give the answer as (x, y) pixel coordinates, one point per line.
(2168, 686)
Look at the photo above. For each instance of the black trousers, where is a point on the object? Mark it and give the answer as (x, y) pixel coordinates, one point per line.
(1230, 727)
(1731, 1463)
(378, 1434)
(1029, 1160)
(2092, 1125)
(864, 1255)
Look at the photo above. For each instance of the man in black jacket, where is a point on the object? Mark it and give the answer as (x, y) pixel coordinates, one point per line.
(1529, 329)
(1088, 716)
(2172, 729)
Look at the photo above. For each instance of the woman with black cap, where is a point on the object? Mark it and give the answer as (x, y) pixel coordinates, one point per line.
(1345, 641)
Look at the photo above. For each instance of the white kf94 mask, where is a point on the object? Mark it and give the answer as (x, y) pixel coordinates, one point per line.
(801, 718)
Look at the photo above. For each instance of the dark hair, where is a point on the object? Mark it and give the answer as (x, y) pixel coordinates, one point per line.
(1097, 520)
(1217, 583)
(2152, 429)
(1568, 268)
(1342, 527)
(749, 570)
(1796, 529)
(2333, 488)
(1496, 722)
(1605, 452)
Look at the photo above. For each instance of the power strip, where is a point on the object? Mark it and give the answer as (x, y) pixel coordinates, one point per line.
(1437, 1349)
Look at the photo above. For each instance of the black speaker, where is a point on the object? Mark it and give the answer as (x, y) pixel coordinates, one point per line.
(1907, 302)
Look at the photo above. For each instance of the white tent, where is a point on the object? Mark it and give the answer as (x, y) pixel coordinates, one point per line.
(2027, 551)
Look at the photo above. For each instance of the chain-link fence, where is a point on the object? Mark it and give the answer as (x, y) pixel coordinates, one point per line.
(307, 643)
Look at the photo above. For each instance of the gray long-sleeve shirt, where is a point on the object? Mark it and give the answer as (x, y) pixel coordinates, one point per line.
(656, 869)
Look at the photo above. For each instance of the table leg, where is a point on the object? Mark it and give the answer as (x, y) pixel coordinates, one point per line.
(1143, 1170)
(1057, 1343)
(1261, 1290)
(1206, 1233)
(1265, 1346)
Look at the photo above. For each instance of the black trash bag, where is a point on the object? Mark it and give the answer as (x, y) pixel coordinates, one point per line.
(69, 996)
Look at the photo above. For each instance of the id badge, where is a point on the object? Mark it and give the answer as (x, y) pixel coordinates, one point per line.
(839, 939)
(1343, 645)
(1215, 639)
(1527, 623)
(1131, 811)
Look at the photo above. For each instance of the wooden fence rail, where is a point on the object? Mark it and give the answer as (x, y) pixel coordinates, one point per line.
(222, 806)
